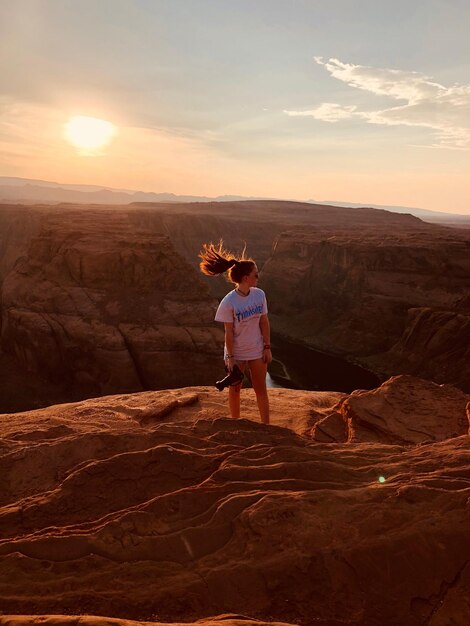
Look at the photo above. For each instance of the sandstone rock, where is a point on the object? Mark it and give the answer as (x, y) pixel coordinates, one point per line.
(18, 224)
(387, 290)
(102, 309)
(93, 620)
(332, 428)
(110, 511)
(434, 344)
(404, 410)
(396, 301)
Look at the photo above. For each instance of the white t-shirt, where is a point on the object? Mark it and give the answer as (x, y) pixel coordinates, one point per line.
(245, 313)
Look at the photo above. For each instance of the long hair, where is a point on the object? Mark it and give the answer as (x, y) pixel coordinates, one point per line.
(216, 260)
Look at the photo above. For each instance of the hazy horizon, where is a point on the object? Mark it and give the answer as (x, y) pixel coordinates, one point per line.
(364, 101)
(84, 189)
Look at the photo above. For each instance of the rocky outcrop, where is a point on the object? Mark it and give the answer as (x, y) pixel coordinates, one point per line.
(404, 411)
(434, 343)
(394, 301)
(104, 308)
(155, 506)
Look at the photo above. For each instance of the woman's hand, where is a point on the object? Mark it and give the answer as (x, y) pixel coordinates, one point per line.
(229, 362)
(267, 355)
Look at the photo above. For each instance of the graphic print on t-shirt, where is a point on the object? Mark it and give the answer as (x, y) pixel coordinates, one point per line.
(243, 314)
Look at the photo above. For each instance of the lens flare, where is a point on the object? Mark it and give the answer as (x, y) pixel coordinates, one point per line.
(381, 479)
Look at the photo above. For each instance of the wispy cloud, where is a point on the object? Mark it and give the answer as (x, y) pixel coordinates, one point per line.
(427, 104)
(327, 112)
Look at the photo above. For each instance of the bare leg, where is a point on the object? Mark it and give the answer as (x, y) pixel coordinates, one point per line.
(234, 401)
(234, 395)
(258, 369)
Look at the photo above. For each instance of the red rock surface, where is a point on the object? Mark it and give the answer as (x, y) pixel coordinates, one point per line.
(404, 410)
(18, 224)
(155, 506)
(393, 299)
(387, 290)
(94, 620)
(103, 308)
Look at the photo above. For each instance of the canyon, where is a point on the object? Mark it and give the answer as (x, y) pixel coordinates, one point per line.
(97, 307)
(99, 300)
(396, 302)
(131, 497)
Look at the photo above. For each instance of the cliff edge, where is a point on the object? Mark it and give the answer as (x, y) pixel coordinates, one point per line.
(154, 506)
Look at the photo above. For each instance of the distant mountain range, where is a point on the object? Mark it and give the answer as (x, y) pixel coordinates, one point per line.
(33, 191)
(425, 214)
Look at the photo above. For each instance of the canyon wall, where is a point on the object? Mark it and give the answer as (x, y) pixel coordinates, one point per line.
(256, 224)
(386, 290)
(103, 307)
(397, 302)
(18, 224)
(189, 227)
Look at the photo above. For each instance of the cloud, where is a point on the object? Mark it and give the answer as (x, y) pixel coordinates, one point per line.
(426, 104)
(398, 84)
(328, 112)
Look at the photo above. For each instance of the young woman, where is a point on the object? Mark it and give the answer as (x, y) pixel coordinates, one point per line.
(244, 312)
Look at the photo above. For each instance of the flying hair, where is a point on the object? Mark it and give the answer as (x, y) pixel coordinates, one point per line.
(217, 260)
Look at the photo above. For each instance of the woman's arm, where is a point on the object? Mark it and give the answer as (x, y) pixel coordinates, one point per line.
(266, 332)
(228, 326)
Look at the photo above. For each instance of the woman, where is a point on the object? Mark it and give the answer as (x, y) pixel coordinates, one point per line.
(244, 313)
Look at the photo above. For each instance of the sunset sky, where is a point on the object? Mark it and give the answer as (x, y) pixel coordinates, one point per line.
(362, 101)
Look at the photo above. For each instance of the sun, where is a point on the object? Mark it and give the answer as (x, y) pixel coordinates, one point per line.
(89, 133)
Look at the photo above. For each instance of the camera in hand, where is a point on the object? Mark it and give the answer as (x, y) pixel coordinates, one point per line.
(232, 378)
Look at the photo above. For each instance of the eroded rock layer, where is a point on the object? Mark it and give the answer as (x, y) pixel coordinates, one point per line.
(18, 224)
(143, 507)
(396, 301)
(94, 620)
(102, 308)
(387, 290)
(404, 410)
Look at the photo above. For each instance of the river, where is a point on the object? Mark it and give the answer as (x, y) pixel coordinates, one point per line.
(296, 366)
